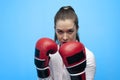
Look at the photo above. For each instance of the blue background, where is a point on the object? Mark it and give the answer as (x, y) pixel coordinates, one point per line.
(23, 22)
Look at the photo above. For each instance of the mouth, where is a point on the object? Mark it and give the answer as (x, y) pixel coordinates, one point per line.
(63, 42)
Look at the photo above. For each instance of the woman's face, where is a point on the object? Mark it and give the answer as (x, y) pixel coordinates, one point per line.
(65, 31)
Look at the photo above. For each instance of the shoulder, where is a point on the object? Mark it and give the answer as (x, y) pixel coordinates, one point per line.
(91, 65)
(90, 57)
(89, 53)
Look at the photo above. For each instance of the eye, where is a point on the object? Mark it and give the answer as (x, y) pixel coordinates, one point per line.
(70, 31)
(60, 32)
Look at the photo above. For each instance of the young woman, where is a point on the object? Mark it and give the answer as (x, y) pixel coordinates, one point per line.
(66, 30)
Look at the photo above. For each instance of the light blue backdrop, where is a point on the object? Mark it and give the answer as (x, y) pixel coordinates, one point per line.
(22, 22)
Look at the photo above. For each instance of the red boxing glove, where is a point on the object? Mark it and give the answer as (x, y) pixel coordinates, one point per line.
(44, 47)
(74, 58)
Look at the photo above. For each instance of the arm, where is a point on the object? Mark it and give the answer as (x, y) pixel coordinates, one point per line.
(44, 47)
(49, 78)
(74, 58)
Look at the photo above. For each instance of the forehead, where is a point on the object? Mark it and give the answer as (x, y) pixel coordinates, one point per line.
(65, 24)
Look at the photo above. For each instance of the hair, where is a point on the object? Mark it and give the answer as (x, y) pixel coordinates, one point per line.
(66, 12)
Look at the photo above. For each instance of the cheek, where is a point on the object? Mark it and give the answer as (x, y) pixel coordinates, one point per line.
(58, 36)
(73, 36)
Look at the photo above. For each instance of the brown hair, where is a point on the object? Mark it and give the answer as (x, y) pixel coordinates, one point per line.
(66, 12)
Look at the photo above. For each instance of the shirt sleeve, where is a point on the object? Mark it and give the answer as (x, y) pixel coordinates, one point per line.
(49, 78)
(91, 65)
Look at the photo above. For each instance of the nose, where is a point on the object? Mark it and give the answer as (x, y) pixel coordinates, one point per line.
(65, 37)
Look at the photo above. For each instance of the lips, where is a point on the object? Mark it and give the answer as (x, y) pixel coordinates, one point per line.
(63, 42)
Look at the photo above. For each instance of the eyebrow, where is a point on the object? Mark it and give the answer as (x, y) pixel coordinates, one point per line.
(58, 29)
(68, 29)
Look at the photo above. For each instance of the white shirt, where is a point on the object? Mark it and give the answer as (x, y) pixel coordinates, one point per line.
(59, 71)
